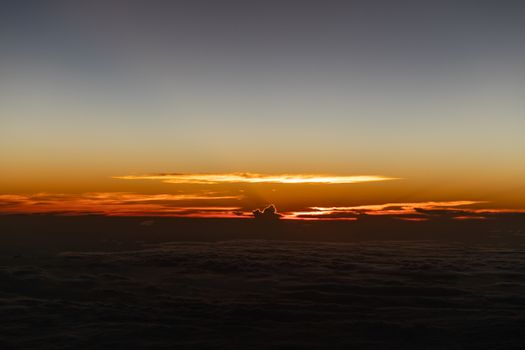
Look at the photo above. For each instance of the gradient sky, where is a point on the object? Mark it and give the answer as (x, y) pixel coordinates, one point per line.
(430, 92)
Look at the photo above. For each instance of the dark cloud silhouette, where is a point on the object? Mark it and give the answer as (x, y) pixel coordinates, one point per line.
(350, 214)
(268, 213)
(441, 212)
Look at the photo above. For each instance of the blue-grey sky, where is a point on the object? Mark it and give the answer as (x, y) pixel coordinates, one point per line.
(413, 89)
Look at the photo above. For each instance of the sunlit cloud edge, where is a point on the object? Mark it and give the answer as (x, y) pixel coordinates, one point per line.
(254, 178)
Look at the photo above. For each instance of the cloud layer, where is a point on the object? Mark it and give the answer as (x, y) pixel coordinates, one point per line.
(258, 294)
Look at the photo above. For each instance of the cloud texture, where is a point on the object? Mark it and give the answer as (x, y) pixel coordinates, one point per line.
(258, 294)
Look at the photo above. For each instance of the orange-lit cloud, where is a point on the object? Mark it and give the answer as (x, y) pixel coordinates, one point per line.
(417, 211)
(256, 178)
(120, 204)
(214, 204)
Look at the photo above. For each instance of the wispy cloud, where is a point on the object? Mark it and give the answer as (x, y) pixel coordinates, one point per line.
(414, 211)
(256, 178)
(121, 204)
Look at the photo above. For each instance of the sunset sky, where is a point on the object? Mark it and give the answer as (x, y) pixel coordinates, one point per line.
(217, 108)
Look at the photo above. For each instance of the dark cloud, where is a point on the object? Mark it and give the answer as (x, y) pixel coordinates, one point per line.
(441, 212)
(268, 213)
(351, 214)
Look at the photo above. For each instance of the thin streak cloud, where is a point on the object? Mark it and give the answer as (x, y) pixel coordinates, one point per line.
(415, 211)
(390, 207)
(122, 204)
(256, 178)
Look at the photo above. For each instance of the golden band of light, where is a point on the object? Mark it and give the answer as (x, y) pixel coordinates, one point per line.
(256, 178)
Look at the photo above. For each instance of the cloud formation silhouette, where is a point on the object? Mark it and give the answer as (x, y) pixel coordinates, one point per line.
(269, 213)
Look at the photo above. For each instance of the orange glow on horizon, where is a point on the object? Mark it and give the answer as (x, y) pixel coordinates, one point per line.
(218, 205)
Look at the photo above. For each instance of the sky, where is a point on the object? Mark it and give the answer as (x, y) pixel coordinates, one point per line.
(97, 98)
